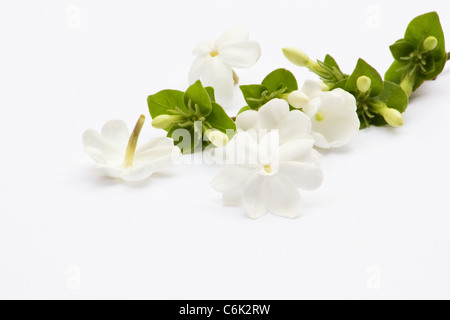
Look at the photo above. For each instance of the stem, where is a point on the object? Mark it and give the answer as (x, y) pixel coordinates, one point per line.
(235, 78)
(408, 83)
(132, 143)
(448, 56)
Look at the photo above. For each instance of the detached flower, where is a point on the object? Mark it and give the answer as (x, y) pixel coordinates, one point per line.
(117, 155)
(263, 176)
(216, 60)
(333, 114)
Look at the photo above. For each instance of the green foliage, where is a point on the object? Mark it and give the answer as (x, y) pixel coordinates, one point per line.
(194, 111)
(277, 84)
(414, 61)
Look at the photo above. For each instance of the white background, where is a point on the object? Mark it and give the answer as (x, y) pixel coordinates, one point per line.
(378, 228)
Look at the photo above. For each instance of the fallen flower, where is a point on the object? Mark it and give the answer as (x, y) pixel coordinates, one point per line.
(333, 114)
(117, 155)
(269, 179)
(216, 59)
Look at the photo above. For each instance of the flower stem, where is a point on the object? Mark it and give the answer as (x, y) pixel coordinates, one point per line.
(132, 143)
(408, 83)
(235, 78)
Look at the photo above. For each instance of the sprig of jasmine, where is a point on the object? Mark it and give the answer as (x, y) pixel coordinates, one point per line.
(195, 112)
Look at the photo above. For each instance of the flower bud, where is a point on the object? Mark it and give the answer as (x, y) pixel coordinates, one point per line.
(324, 87)
(217, 138)
(392, 116)
(430, 43)
(296, 56)
(164, 121)
(363, 84)
(298, 99)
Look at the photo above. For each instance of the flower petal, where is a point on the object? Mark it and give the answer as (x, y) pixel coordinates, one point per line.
(296, 149)
(294, 125)
(312, 89)
(253, 197)
(204, 48)
(139, 173)
(94, 140)
(271, 114)
(233, 199)
(232, 35)
(339, 123)
(241, 54)
(117, 133)
(220, 77)
(115, 172)
(304, 176)
(282, 197)
(248, 120)
(232, 179)
(243, 149)
(159, 152)
(198, 67)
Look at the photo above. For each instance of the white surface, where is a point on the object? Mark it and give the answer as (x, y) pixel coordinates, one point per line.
(378, 228)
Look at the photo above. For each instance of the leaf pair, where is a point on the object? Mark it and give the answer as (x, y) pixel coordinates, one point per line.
(380, 93)
(278, 83)
(195, 111)
(420, 55)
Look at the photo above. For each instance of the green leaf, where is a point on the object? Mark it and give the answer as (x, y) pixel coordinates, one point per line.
(401, 49)
(423, 27)
(340, 85)
(220, 120)
(280, 79)
(394, 97)
(210, 91)
(393, 74)
(364, 69)
(246, 108)
(253, 95)
(163, 101)
(198, 96)
(331, 62)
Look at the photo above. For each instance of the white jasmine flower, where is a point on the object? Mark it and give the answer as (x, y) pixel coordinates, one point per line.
(332, 113)
(216, 59)
(275, 115)
(263, 176)
(117, 155)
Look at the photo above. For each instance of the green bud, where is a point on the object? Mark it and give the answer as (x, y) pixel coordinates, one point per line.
(217, 138)
(430, 43)
(297, 99)
(165, 121)
(297, 56)
(363, 84)
(392, 116)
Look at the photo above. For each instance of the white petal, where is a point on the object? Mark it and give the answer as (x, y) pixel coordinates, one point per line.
(232, 179)
(320, 141)
(271, 114)
(139, 173)
(282, 197)
(159, 152)
(312, 107)
(198, 68)
(248, 120)
(241, 54)
(296, 149)
(312, 89)
(114, 171)
(94, 140)
(253, 197)
(340, 121)
(304, 176)
(220, 77)
(269, 149)
(243, 149)
(117, 133)
(204, 48)
(294, 125)
(232, 35)
(233, 199)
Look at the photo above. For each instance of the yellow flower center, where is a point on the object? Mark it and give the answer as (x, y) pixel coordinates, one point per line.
(214, 53)
(268, 169)
(320, 117)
